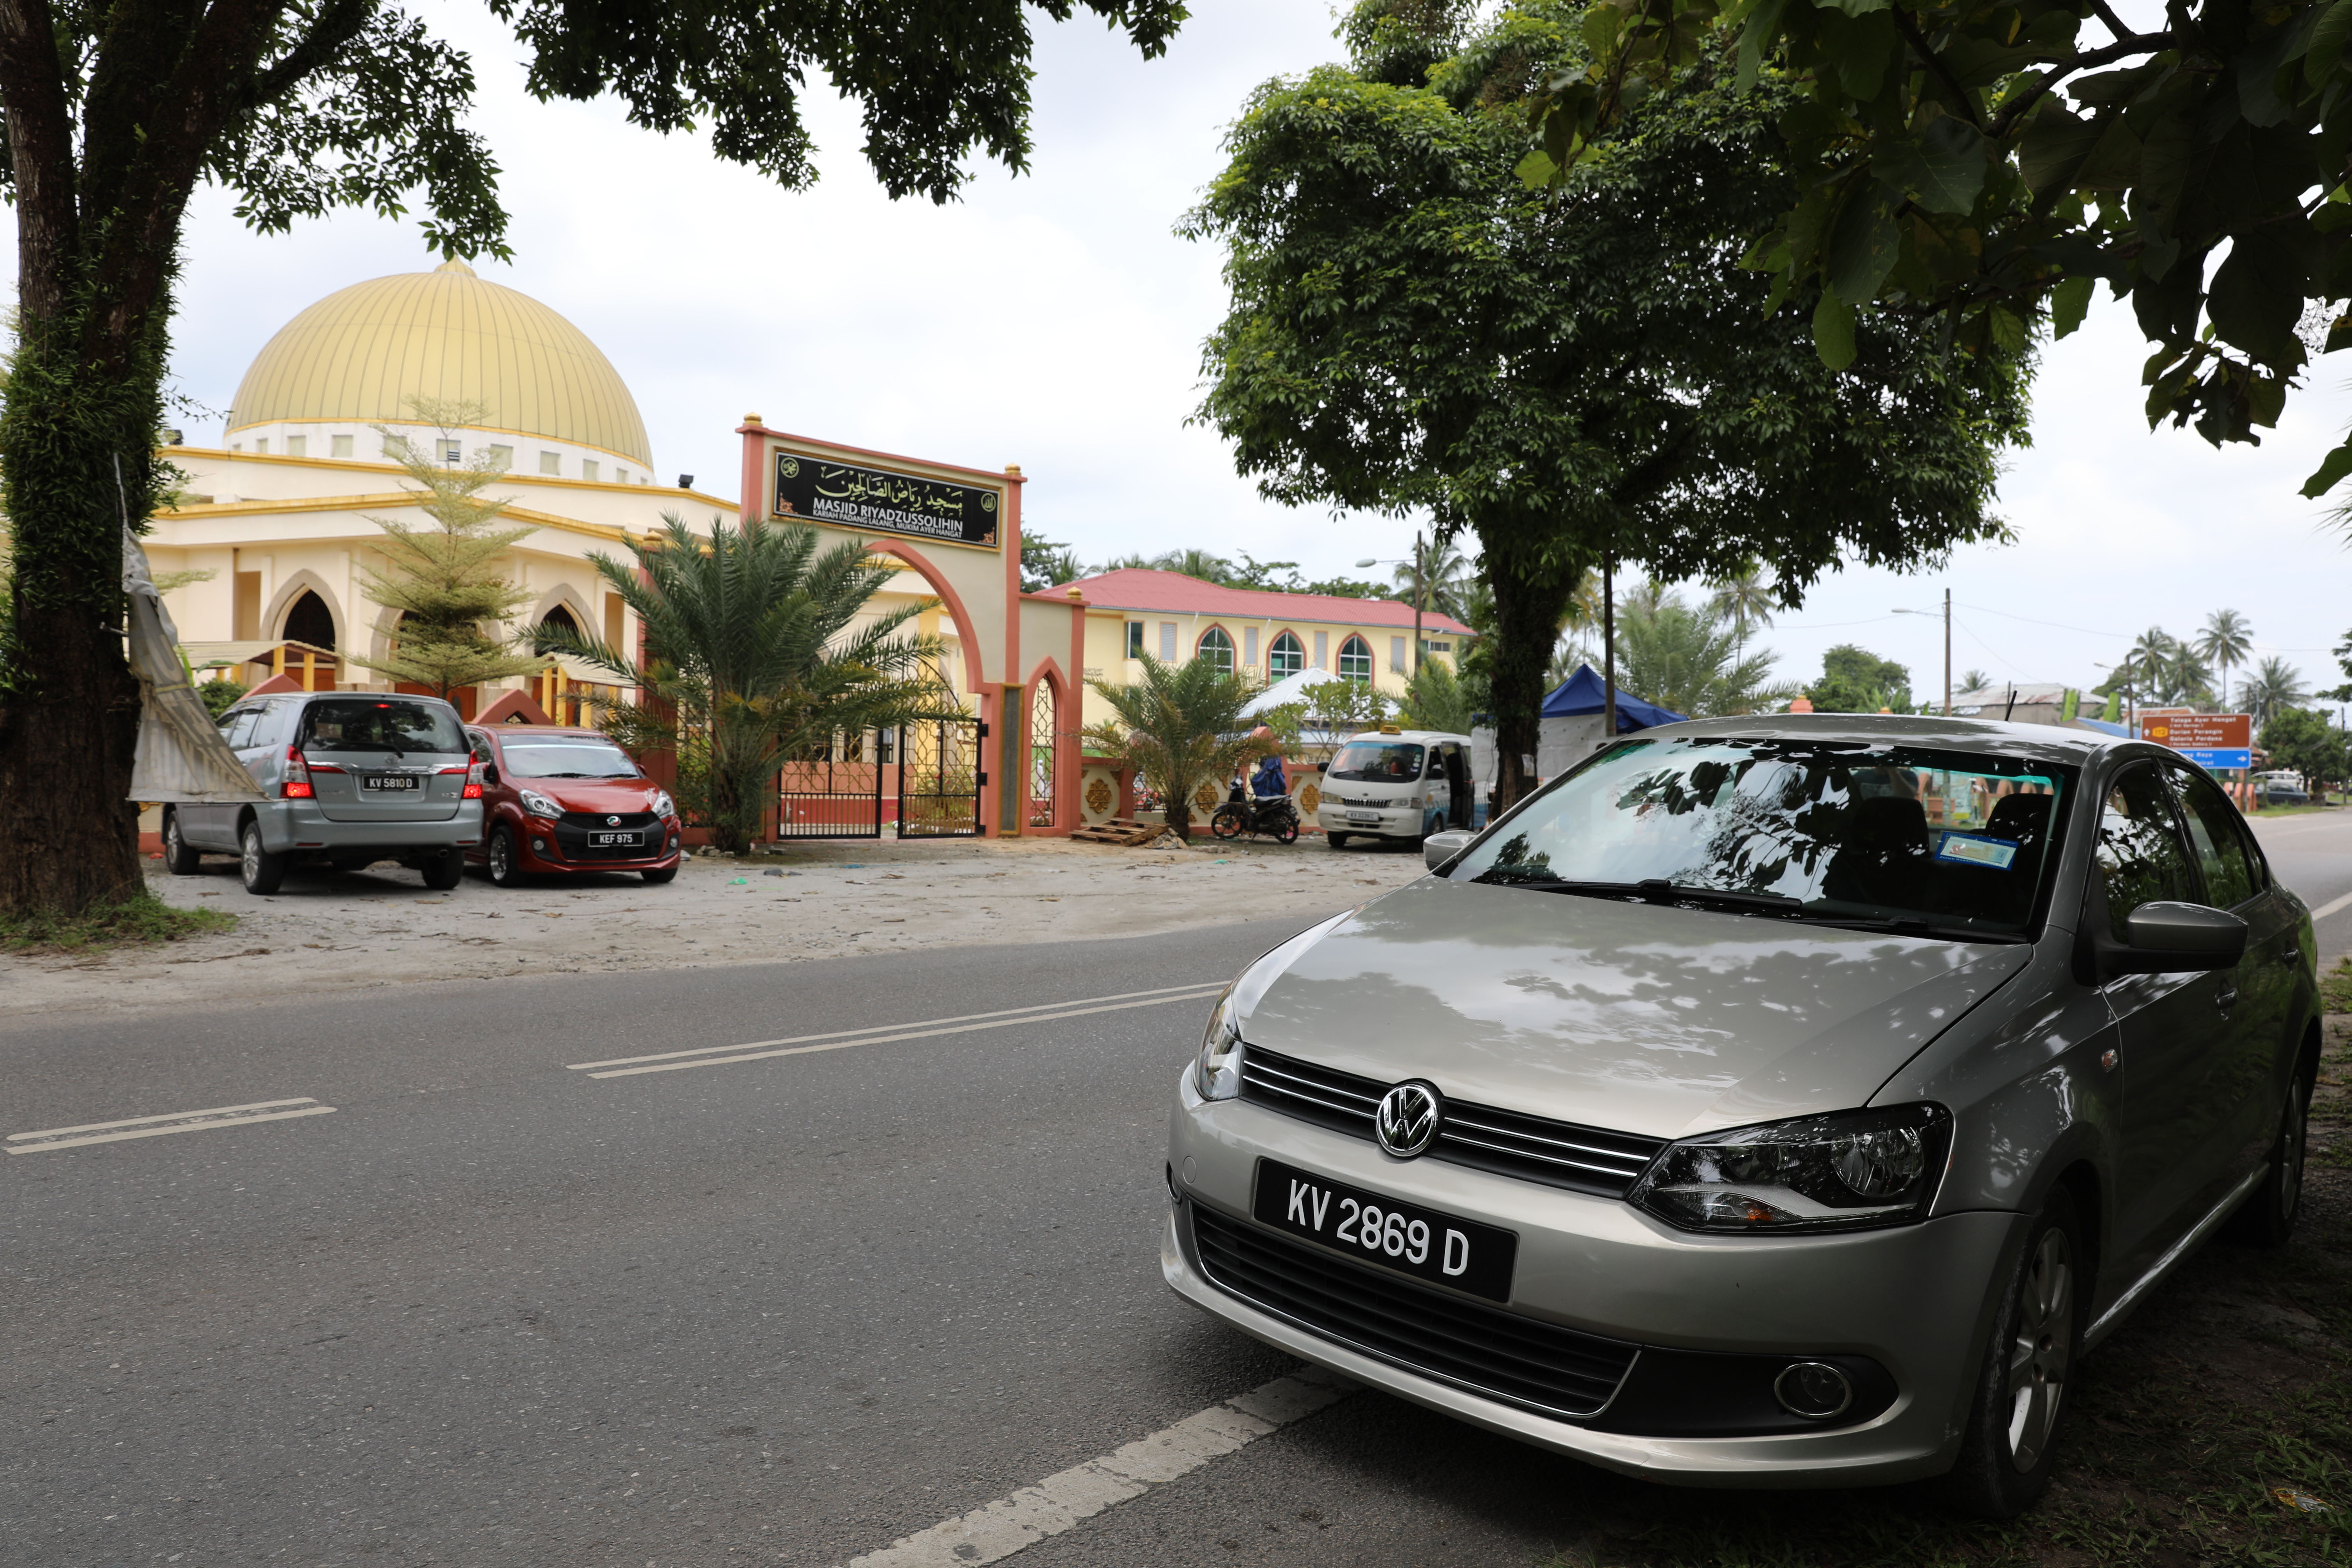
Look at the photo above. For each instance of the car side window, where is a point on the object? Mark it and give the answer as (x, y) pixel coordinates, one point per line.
(2140, 853)
(236, 724)
(2213, 835)
(482, 752)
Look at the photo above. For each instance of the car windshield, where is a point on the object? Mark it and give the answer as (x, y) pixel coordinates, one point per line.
(567, 760)
(1377, 761)
(381, 725)
(1951, 843)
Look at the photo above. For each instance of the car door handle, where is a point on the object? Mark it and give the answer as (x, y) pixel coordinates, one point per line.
(2225, 995)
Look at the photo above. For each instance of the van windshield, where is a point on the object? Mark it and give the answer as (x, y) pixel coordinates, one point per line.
(1377, 761)
(381, 724)
(1955, 844)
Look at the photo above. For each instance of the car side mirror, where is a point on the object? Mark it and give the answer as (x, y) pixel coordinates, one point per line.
(2170, 938)
(491, 774)
(1439, 848)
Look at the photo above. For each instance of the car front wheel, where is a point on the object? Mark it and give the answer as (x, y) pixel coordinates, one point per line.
(506, 861)
(178, 857)
(260, 870)
(1336, 840)
(2007, 1447)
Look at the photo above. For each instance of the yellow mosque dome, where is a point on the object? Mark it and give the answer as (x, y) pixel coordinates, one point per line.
(360, 354)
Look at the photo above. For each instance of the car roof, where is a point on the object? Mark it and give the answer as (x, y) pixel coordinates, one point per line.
(2039, 742)
(570, 731)
(1409, 735)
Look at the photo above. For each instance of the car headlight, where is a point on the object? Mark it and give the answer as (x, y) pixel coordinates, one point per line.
(1850, 1171)
(663, 804)
(539, 805)
(1218, 1072)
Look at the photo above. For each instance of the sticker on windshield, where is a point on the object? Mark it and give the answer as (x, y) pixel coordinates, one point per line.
(1969, 849)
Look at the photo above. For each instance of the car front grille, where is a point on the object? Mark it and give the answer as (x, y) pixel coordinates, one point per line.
(1537, 1367)
(584, 820)
(1531, 1148)
(573, 828)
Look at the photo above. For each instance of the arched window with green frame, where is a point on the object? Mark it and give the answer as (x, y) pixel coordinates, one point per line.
(1356, 661)
(1287, 656)
(1217, 647)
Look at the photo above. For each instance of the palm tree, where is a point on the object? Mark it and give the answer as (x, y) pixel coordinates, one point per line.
(1744, 599)
(2226, 640)
(1688, 661)
(1974, 681)
(2274, 686)
(1450, 572)
(1180, 727)
(759, 648)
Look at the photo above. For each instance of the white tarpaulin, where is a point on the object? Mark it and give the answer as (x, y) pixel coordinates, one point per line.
(180, 754)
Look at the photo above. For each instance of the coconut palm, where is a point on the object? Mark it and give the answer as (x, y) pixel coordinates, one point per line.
(1974, 681)
(1180, 727)
(2226, 640)
(1744, 599)
(759, 648)
(2274, 687)
(1449, 573)
(1688, 661)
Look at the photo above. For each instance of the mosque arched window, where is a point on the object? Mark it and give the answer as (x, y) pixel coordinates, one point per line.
(308, 620)
(561, 618)
(1356, 660)
(1217, 648)
(1287, 656)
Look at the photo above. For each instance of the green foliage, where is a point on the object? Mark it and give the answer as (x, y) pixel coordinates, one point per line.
(220, 696)
(2277, 686)
(2225, 641)
(1180, 727)
(1277, 577)
(442, 579)
(1577, 380)
(1856, 680)
(1046, 565)
(2304, 741)
(1435, 700)
(759, 648)
(142, 919)
(1344, 707)
(1689, 661)
(1990, 164)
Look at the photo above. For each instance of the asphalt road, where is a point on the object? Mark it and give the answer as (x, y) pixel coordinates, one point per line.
(786, 1308)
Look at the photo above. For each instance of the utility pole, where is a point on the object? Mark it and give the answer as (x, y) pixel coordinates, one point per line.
(1947, 653)
(1420, 596)
(1609, 651)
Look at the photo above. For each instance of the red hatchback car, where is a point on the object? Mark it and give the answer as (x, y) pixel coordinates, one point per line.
(569, 800)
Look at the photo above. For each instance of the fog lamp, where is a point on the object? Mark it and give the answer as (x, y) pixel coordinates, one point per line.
(1813, 1389)
(539, 845)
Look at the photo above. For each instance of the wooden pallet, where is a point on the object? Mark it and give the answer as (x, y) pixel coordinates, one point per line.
(1123, 831)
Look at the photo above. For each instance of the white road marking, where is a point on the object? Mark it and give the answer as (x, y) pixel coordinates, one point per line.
(996, 1530)
(2331, 907)
(161, 1126)
(1163, 993)
(838, 1045)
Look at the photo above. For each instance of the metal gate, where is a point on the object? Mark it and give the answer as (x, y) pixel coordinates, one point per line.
(836, 794)
(940, 778)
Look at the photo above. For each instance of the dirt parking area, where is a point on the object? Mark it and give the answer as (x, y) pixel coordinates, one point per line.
(384, 927)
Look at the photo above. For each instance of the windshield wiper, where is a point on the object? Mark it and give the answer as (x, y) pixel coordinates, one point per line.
(1909, 926)
(1658, 890)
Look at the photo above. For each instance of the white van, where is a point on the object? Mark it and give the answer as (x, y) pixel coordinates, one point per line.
(1400, 784)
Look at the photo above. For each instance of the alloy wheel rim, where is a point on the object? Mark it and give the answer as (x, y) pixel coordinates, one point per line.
(2041, 1347)
(249, 855)
(501, 859)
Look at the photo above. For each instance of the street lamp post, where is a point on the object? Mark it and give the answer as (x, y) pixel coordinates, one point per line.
(1947, 613)
(1420, 589)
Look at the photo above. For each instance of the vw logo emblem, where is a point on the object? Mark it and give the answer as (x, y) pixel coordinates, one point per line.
(1407, 1119)
(612, 822)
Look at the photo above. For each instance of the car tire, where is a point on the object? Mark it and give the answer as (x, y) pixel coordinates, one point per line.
(2267, 1216)
(445, 870)
(2009, 1447)
(505, 859)
(1336, 840)
(259, 869)
(661, 874)
(180, 856)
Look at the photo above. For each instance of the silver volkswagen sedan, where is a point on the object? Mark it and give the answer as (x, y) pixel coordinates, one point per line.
(1783, 1102)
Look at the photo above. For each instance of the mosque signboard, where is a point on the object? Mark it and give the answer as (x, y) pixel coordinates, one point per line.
(820, 490)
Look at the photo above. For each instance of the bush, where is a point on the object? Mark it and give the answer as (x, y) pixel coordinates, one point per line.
(219, 695)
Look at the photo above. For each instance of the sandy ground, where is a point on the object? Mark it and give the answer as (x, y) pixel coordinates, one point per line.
(382, 927)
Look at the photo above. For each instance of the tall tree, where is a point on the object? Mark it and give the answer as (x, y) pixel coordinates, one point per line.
(1575, 382)
(2277, 686)
(444, 580)
(1746, 599)
(759, 646)
(1689, 660)
(114, 112)
(1990, 163)
(1856, 680)
(2226, 640)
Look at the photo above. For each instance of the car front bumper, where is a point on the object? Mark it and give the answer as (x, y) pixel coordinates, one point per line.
(300, 824)
(1390, 822)
(1917, 1300)
(551, 858)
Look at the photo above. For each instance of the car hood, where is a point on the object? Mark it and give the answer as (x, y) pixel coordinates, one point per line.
(612, 797)
(1660, 1021)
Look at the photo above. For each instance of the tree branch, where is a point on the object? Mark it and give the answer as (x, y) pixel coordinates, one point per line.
(2123, 49)
(1934, 63)
(336, 26)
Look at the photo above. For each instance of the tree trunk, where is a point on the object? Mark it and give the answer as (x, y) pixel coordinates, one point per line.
(1530, 594)
(68, 702)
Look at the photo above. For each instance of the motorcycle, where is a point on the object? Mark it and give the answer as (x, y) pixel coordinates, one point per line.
(1274, 817)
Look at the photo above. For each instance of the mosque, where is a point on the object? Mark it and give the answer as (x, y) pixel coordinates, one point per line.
(270, 536)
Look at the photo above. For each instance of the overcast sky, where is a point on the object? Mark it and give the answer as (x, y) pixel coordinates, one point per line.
(1055, 321)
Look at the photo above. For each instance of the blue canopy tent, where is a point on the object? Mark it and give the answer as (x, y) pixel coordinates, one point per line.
(1582, 694)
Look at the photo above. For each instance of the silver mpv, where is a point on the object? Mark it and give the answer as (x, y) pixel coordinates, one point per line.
(1767, 1101)
(350, 778)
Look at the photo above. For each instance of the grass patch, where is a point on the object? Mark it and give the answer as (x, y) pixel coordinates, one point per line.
(141, 921)
(2232, 1379)
(2336, 988)
(2291, 810)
